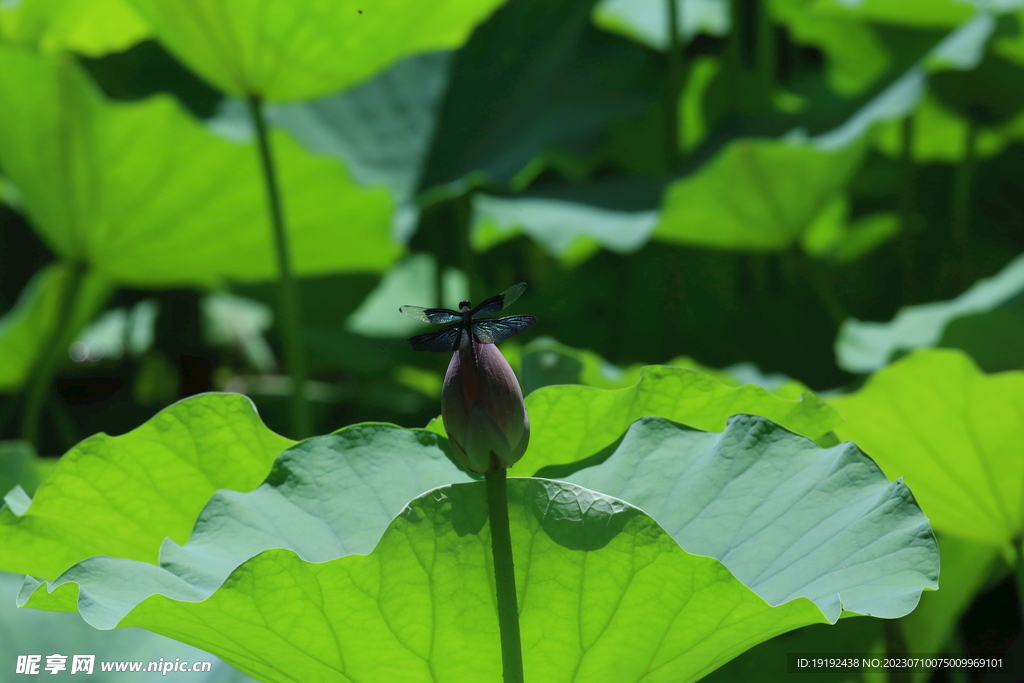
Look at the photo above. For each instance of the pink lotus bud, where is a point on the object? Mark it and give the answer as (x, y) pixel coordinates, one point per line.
(483, 411)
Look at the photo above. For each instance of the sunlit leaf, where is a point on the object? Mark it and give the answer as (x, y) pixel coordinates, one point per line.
(412, 281)
(922, 13)
(604, 593)
(952, 433)
(28, 632)
(965, 568)
(148, 196)
(646, 21)
(755, 195)
(566, 230)
(285, 50)
(18, 467)
(90, 27)
(123, 495)
(866, 346)
(855, 55)
(380, 129)
(834, 237)
(25, 329)
(544, 362)
(568, 423)
(787, 517)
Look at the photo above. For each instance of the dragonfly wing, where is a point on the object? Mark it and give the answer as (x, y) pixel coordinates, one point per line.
(498, 330)
(435, 316)
(496, 303)
(442, 340)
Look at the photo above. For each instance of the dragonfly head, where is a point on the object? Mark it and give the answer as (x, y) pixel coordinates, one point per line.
(464, 306)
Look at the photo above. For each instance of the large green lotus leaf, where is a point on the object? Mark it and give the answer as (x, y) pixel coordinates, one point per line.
(855, 55)
(90, 27)
(568, 423)
(920, 13)
(287, 50)
(25, 329)
(148, 196)
(18, 466)
(26, 632)
(833, 237)
(412, 279)
(940, 135)
(123, 495)
(326, 497)
(380, 129)
(965, 566)
(508, 103)
(952, 432)
(994, 339)
(787, 517)
(646, 21)
(605, 595)
(544, 362)
(867, 346)
(755, 195)
(567, 230)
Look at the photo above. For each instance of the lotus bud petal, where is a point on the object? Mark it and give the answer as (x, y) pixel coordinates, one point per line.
(483, 410)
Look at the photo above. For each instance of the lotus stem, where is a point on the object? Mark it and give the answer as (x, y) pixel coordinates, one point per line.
(895, 646)
(673, 135)
(1019, 573)
(962, 191)
(53, 351)
(288, 293)
(906, 206)
(504, 577)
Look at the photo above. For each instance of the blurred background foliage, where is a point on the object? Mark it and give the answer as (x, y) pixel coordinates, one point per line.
(791, 193)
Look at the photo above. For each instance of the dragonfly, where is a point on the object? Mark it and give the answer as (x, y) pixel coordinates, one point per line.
(465, 324)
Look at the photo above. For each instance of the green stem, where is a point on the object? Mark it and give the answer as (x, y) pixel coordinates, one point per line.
(673, 135)
(823, 285)
(906, 207)
(288, 293)
(504, 577)
(767, 50)
(895, 646)
(753, 53)
(1019, 573)
(54, 350)
(462, 208)
(962, 262)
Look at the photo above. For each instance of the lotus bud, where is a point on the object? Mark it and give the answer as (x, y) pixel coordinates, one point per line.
(483, 410)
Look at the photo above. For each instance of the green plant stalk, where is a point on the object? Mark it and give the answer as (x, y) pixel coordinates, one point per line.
(39, 382)
(1018, 568)
(895, 646)
(961, 213)
(504, 577)
(288, 293)
(906, 206)
(673, 135)
(767, 49)
(462, 212)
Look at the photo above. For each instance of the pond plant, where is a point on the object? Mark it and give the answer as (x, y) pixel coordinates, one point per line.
(210, 210)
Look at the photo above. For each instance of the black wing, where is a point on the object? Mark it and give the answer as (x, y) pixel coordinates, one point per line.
(496, 303)
(436, 316)
(442, 340)
(497, 330)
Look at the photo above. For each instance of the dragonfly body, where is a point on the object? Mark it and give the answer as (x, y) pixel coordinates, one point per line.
(465, 326)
